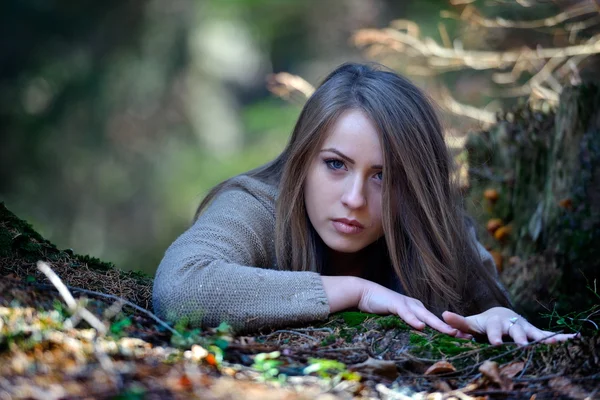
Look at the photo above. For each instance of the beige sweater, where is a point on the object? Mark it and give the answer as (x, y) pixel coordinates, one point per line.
(223, 268)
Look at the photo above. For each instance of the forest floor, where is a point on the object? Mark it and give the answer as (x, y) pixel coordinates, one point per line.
(97, 338)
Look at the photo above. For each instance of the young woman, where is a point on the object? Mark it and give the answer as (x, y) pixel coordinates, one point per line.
(358, 211)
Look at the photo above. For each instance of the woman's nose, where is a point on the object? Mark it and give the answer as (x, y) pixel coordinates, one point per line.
(354, 196)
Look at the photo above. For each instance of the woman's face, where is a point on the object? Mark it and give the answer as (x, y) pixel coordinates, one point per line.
(343, 187)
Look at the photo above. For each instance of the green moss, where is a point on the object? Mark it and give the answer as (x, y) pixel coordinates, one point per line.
(355, 318)
(330, 339)
(392, 322)
(432, 345)
(19, 239)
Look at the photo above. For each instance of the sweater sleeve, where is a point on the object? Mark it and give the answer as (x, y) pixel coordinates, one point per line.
(222, 269)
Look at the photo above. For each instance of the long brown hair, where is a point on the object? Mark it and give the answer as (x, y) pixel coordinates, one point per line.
(425, 229)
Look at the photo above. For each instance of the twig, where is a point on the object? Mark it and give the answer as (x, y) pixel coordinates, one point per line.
(314, 329)
(108, 296)
(526, 364)
(112, 297)
(58, 284)
(478, 114)
(326, 350)
(285, 84)
(78, 310)
(69, 299)
(291, 332)
(472, 15)
(440, 58)
(130, 304)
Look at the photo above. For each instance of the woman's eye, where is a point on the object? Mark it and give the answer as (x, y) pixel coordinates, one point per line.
(379, 176)
(334, 164)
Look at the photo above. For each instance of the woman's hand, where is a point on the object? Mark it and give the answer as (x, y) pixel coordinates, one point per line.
(498, 322)
(380, 300)
(347, 292)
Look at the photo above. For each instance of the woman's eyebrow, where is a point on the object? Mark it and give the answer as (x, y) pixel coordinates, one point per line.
(345, 157)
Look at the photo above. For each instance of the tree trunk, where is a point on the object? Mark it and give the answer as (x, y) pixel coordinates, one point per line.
(545, 169)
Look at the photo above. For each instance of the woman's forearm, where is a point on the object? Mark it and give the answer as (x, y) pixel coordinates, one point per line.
(343, 291)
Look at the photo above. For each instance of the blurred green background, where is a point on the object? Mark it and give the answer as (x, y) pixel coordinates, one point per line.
(116, 117)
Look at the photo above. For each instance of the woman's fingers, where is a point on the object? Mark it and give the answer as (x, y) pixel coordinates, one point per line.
(412, 320)
(518, 334)
(417, 316)
(548, 337)
(463, 335)
(433, 321)
(460, 323)
(494, 330)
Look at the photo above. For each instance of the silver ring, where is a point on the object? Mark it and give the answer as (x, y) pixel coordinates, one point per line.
(512, 321)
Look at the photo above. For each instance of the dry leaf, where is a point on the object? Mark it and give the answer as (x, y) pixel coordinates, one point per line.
(512, 369)
(440, 367)
(373, 366)
(490, 370)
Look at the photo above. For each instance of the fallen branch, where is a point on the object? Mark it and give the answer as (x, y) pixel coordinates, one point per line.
(471, 15)
(443, 58)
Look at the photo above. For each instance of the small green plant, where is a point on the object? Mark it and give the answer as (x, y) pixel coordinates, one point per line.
(330, 339)
(577, 321)
(59, 306)
(268, 365)
(330, 370)
(187, 336)
(118, 328)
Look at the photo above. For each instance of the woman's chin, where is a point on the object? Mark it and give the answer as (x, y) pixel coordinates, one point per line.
(344, 246)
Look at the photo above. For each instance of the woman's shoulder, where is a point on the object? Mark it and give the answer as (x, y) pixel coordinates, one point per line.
(247, 192)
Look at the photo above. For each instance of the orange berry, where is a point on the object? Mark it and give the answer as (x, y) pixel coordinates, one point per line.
(502, 233)
(566, 203)
(494, 224)
(491, 195)
(211, 360)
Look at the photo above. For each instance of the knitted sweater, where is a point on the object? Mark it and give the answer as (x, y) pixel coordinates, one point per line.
(223, 268)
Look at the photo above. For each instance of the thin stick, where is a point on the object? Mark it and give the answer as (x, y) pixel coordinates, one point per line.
(314, 329)
(439, 57)
(475, 18)
(130, 304)
(112, 297)
(69, 299)
(58, 284)
(292, 332)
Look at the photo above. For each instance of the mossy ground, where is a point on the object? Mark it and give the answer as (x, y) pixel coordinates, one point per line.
(21, 247)
(351, 355)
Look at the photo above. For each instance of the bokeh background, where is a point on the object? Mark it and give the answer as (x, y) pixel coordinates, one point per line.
(116, 117)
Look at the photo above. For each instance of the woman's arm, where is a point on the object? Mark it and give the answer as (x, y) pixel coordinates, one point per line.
(223, 269)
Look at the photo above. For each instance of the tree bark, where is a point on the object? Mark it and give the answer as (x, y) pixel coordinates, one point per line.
(546, 169)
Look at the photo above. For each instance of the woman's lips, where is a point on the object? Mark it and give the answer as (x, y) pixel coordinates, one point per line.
(347, 227)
